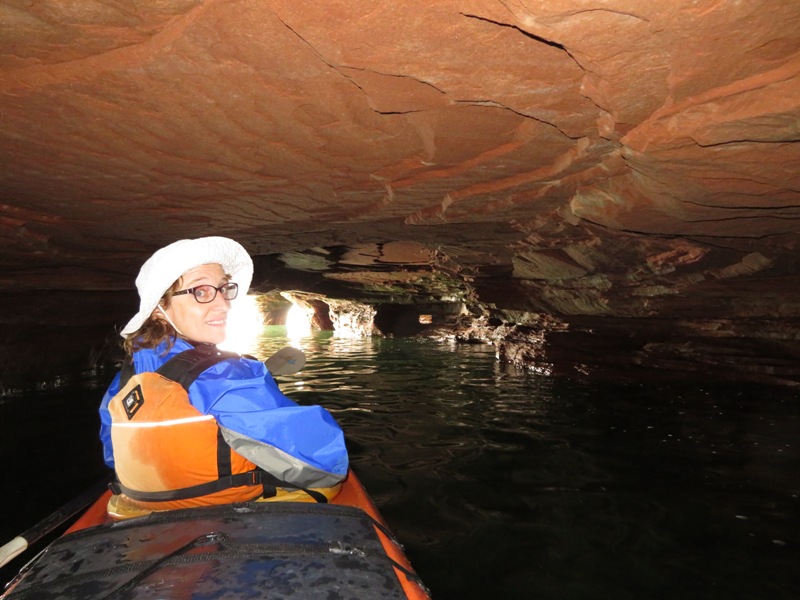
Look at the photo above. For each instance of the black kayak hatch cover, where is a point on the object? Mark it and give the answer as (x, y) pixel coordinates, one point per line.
(238, 551)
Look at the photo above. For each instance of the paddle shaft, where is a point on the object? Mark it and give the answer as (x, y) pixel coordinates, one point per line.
(50, 523)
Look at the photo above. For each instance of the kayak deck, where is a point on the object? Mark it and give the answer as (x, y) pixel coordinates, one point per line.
(246, 550)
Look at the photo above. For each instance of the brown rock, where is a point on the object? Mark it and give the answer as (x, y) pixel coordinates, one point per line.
(580, 159)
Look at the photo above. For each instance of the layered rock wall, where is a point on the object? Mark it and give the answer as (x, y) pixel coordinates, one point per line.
(632, 165)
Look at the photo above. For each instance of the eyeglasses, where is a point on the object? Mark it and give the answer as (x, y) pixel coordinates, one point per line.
(206, 293)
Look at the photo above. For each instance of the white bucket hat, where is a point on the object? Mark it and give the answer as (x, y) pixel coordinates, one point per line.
(164, 268)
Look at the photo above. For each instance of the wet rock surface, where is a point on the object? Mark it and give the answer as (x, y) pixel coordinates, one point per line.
(630, 350)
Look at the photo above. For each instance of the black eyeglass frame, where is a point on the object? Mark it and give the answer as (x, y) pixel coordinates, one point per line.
(225, 287)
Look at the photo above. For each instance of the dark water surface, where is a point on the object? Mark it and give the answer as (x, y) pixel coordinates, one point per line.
(504, 484)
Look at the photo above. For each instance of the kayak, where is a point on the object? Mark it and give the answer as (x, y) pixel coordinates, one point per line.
(342, 549)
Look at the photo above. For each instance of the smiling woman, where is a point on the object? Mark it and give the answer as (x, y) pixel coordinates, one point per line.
(185, 424)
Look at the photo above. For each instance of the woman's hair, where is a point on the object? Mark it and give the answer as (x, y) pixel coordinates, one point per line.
(154, 330)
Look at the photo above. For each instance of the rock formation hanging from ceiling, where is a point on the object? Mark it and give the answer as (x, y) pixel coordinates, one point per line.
(622, 174)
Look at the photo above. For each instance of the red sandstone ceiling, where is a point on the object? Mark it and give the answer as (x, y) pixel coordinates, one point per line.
(606, 156)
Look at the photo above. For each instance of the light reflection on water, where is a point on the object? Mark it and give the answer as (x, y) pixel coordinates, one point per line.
(510, 485)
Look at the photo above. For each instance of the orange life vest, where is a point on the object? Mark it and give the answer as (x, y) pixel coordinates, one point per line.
(169, 455)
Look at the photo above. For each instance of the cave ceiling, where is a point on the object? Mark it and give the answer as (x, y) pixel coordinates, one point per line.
(584, 157)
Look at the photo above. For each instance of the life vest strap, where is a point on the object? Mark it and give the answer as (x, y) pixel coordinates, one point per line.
(194, 491)
(270, 482)
(255, 477)
(185, 367)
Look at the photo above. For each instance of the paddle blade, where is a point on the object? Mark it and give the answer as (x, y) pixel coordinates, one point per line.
(12, 549)
(286, 361)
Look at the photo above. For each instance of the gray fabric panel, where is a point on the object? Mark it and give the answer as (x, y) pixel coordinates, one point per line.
(281, 464)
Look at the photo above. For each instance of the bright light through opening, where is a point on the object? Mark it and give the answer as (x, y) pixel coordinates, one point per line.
(298, 322)
(245, 324)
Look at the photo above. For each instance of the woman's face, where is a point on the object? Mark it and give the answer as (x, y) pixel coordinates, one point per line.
(201, 322)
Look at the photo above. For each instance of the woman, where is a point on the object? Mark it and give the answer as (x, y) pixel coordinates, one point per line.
(236, 437)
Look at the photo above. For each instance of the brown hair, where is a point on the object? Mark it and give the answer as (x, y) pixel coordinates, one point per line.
(155, 329)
